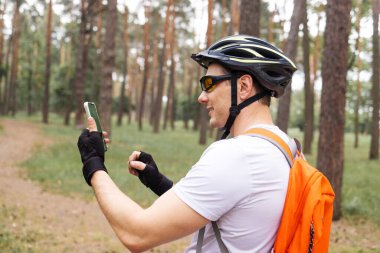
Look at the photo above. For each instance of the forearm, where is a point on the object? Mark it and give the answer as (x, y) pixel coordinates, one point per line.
(123, 214)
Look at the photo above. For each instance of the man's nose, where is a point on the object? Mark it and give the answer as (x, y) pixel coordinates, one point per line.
(202, 99)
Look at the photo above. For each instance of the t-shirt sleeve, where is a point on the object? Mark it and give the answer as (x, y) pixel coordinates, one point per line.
(214, 184)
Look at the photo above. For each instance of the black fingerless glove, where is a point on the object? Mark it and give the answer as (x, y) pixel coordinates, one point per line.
(151, 177)
(90, 145)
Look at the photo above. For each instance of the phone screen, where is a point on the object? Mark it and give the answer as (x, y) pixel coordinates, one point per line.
(91, 111)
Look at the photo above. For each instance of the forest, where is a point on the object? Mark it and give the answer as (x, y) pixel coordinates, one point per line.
(132, 58)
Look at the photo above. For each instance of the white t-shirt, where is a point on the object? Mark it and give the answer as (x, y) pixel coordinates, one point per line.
(241, 183)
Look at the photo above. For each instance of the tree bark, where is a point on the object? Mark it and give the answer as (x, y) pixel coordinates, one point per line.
(153, 82)
(108, 58)
(2, 69)
(374, 149)
(125, 68)
(334, 71)
(290, 51)
(6, 95)
(14, 66)
(146, 67)
(170, 103)
(309, 91)
(235, 16)
(358, 82)
(45, 104)
(80, 67)
(224, 14)
(161, 76)
(250, 17)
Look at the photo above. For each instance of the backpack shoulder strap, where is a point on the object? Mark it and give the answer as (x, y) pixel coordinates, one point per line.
(289, 150)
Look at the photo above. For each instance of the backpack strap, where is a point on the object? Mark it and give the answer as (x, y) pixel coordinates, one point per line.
(290, 150)
(201, 234)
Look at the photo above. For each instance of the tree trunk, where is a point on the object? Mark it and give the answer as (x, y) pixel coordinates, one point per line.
(29, 83)
(374, 149)
(98, 44)
(291, 52)
(358, 82)
(153, 81)
(334, 71)
(6, 95)
(235, 16)
(125, 68)
(15, 48)
(70, 84)
(169, 106)
(203, 112)
(270, 28)
(146, 66)
(2, 69)
(188, 108)
(224, 14)
(80, 69)
(250, 17)
(108, 57)
(161, 76)
(45, 104)
(309, 92)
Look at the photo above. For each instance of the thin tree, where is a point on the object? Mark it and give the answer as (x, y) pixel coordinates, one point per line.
(334, 71)
(374, 149)
(203, 112)
(250, 17)
(14, 66)
(235, 16)
(6, 98)
(291, 51)
(84, 40)
(358, 82)
(224, 14)
(2, 69)
(45, 104)
(153, 81)
(170, 103)
(309, 91)
(108, 62)
(125, 68)
(161, 75)
(146, 64)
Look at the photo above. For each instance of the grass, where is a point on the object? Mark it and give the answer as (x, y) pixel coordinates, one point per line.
(58, 168)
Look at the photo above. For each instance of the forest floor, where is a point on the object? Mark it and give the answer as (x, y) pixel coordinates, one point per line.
(35, 220)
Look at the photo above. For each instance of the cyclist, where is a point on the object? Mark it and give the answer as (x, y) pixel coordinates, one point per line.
(238, 183)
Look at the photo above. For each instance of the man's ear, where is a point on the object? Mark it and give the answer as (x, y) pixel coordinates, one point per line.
(246, 87)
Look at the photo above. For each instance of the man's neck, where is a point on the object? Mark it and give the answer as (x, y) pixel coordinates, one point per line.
(251, 115)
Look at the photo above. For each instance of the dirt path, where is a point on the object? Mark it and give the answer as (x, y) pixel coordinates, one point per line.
(32, 220)
(42, 221)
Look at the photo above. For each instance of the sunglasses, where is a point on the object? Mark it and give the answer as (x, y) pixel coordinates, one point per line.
(208, 83)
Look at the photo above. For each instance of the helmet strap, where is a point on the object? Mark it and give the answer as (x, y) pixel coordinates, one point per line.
(235, 108)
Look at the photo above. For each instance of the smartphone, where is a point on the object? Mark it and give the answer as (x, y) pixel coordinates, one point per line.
(91, 111)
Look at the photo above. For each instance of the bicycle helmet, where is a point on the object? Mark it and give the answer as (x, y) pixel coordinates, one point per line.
(269, 67)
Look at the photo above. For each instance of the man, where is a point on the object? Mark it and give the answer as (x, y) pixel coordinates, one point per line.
(240, 182)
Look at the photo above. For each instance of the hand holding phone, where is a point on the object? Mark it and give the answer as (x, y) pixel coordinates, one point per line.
(91, 111)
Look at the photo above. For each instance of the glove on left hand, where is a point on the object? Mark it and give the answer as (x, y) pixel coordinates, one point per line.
(90, 145)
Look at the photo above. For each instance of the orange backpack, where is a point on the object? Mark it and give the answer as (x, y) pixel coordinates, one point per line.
(307, 215)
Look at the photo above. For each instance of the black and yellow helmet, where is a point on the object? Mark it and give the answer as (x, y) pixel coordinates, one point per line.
(243, 53)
